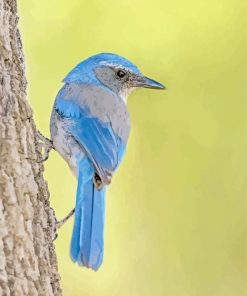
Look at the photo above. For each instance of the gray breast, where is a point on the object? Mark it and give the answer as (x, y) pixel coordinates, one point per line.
(63, 142)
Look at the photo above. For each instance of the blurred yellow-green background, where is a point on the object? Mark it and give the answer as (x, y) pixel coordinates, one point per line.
(176, 211)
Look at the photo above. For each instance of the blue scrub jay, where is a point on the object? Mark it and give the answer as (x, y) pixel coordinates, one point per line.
(90, 127)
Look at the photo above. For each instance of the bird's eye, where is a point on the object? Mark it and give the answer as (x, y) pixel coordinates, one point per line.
(121, 73)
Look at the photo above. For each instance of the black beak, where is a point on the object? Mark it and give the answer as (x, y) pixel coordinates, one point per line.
(142, 81)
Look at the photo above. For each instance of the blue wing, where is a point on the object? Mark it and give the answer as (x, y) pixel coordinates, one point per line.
(103, 147)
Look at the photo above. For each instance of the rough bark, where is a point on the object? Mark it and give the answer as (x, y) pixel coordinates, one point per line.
(28, 263)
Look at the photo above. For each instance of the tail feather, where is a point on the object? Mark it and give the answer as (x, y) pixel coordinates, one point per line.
(87, 244)
(97, 231)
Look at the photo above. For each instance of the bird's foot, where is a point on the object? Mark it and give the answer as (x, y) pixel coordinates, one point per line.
(108, 178)
(46, 146)
(53, 222)
(98, 183)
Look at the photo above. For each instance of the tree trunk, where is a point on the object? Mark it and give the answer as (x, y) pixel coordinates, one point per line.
(28, 264)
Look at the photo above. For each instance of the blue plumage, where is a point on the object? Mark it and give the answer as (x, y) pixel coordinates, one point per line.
(87, 244)
(90, 127)
(84, 71)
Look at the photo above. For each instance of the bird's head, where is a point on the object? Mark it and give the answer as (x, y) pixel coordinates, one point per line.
(112, 71)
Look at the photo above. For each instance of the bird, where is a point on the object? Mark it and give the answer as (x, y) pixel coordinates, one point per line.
(90, 126)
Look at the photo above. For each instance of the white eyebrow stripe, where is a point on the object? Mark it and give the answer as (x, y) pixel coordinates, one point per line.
(115, 65)
(110, 64)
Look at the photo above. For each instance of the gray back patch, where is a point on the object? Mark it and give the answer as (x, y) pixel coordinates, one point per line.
(103, 104)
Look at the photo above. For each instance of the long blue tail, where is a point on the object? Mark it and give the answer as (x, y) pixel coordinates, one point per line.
(87, 243)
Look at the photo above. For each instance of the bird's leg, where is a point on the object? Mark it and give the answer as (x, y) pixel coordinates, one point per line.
(46, 144)
(60, 223)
